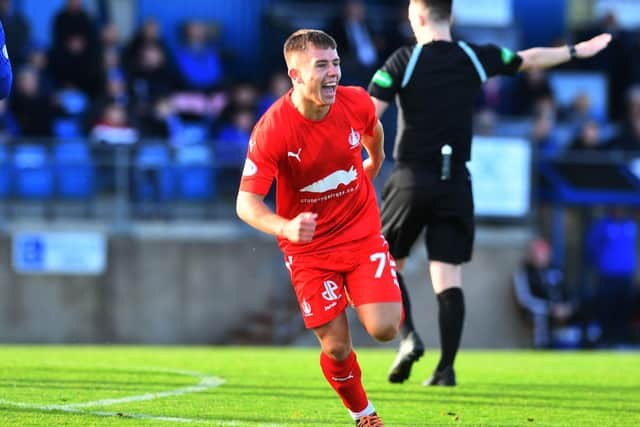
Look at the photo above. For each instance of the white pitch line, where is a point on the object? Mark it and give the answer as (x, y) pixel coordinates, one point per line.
(64, 408)
(204, 384)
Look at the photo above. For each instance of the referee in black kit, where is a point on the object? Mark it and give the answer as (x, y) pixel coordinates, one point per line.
(435, 84)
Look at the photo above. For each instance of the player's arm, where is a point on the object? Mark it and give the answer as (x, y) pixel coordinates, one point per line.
(252, 209)
(546, 57)
(6, 75)
(381, 106)
(375, 149)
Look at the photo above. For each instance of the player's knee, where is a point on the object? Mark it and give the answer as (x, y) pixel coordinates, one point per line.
(337, 350)
(384, 331)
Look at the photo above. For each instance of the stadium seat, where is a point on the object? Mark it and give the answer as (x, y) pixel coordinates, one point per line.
(33, 172)
(195, 174)
(153, 174)
(67, 127)
(74, 170)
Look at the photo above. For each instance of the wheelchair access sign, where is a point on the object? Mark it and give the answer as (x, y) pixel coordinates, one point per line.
(79, 253)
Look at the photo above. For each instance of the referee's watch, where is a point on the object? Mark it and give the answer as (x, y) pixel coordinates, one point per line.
(572, 51)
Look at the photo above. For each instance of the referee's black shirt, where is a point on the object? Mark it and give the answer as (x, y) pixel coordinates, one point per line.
(436, 86)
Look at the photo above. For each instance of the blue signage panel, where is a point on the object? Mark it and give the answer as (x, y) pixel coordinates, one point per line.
(59, 252)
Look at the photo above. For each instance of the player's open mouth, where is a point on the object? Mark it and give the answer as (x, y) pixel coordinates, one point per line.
(328, 90)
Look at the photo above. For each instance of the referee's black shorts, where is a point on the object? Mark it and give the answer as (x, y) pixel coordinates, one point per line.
(415, 199)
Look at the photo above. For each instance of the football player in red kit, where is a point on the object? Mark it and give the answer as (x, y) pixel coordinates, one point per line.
(326, 222)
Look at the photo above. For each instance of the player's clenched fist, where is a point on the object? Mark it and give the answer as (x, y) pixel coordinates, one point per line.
(301, 228)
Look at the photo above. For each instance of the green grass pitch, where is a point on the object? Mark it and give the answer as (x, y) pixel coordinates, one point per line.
(231, 386)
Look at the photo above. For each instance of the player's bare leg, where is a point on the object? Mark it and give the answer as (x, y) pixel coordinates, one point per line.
(381, 320)
(447, 279)
(411, 347)
(341, 369)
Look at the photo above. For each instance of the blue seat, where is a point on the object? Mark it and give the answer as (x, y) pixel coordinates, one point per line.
(5, 172)
(153, 175)
(75, 175)
(196, 180)
(67, 127)
(33, 172)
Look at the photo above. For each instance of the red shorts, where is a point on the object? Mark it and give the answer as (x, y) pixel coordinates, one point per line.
(358, 274)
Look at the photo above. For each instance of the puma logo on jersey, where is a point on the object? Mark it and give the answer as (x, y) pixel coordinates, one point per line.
(332, 181)
(295, 155)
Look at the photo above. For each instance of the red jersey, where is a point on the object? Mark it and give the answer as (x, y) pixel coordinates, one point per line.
(318, 168)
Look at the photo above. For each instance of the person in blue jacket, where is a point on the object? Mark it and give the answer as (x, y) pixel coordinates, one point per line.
(6, 76)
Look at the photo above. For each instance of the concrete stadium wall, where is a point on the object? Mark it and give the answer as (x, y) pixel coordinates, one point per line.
(165, 288)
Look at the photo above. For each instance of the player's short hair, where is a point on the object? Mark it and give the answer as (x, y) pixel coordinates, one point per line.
(440, 10)
(300, 40)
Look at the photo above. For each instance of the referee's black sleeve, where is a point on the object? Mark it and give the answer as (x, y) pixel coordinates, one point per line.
(386, 82)
(497, 60)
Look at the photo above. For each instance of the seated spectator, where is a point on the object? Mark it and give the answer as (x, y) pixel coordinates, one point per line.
(230, 149)
(544, 142)
(279, 84)
(31, 107)
(611, 243)
(233, 139)
(198, 60)
(530, 88)
(588, 138)
(111, 138)
(8, 124)
(113, 128)
(629, 137)
(149, 67)
(541, 291)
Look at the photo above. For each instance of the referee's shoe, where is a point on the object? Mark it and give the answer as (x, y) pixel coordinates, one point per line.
(410, 351)
(445, 376)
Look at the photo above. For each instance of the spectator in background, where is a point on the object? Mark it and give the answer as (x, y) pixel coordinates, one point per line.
(611, 251)
(530, 89)
(8, 124)
(111, 133)
(230, 150)
(629, 137)
(31, 107)
(588, 138)
(150, 68)
(37, 58)
(540, 289)
(197, 59)
(279, 84)
(74, 59)
(545, 144)
(17, 32)
(359, 45)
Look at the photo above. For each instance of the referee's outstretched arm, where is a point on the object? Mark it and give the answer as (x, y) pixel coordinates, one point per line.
(546, 57)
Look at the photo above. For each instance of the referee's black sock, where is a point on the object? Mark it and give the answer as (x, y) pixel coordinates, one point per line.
(407, 326)
(451, 317)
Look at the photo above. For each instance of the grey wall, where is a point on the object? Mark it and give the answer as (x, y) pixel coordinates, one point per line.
(174, 288)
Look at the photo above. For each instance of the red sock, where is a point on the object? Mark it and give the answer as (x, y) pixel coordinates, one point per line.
(346, 379)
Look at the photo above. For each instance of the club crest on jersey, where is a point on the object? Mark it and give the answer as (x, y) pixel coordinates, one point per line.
(250, 168)
(354, 139)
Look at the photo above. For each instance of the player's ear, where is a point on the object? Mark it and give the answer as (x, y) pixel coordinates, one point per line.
(294, 74)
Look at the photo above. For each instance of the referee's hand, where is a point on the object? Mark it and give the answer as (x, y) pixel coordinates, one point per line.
(301, 228)
(588, 48)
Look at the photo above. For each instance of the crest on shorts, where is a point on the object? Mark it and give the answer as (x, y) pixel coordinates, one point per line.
(306, 308)
(354, 138)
